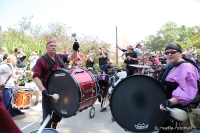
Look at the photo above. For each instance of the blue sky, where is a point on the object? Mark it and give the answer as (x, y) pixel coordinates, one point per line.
(135, 19)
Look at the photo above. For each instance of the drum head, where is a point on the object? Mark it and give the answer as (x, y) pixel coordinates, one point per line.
(64, 84)
(135, 104)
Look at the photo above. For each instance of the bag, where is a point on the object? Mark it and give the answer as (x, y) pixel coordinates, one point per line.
(194, 117)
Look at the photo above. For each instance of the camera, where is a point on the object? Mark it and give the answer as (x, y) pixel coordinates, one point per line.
(15, 50)
(163, 60)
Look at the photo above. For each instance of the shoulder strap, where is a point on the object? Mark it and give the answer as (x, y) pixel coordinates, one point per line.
(63, 65)
(165, 72)
(10, 74)
(49, 61)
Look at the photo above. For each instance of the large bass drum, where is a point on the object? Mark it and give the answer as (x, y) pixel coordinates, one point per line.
(77, 90)
(135, 104)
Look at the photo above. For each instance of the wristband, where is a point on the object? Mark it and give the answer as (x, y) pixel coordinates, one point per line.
(43, 89)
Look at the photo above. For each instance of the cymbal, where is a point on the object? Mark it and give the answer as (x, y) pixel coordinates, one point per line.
(139, 66)
(110, 69)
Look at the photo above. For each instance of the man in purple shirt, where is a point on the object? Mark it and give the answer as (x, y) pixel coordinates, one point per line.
(43, 69)
(181, 85)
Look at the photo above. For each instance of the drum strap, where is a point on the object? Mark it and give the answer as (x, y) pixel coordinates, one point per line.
(10, 75)
(51, 62)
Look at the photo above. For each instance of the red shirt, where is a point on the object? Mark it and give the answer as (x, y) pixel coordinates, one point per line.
(42, 69)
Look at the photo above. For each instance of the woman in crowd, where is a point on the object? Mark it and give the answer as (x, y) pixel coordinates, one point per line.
(8, 80)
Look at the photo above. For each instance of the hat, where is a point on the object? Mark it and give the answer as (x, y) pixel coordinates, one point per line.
(51, 41)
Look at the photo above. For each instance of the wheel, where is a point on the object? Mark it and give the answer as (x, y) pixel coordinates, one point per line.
(92, 112)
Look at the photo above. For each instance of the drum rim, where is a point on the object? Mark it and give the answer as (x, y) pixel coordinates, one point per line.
(120, 123)
(78, 87)
(49, 101)
(45, 129)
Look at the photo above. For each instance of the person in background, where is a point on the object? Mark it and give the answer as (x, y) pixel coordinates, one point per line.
(102, 57)
(8, 80)
(5, 53)
(33, 59)
(90, 61)
(42, 70)
(79, 61)
(130, 58)
(21, 61)
(138, 50)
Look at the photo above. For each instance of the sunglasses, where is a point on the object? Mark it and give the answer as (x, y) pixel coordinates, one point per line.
(110, 63)
(172, 52)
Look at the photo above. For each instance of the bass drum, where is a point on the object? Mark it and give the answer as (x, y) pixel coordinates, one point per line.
(77, 90)
(135, 104)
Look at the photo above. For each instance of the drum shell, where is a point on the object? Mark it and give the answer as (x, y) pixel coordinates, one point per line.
(135, 104)
(21, 98)
(77, 89)
(103, 81)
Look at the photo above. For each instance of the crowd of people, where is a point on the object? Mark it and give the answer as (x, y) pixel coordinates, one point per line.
(135, 60)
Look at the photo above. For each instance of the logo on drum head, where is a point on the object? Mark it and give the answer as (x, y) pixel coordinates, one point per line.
(64, 112)
(60, 74)
(141, 126)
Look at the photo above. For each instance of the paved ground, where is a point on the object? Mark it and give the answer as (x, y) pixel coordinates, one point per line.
(81, 123)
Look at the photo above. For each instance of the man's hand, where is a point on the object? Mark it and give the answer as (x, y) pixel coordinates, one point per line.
(75, 46)
(45, 93)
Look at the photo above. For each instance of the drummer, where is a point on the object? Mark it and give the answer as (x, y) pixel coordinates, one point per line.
(43, 67)
(111, 69)
(181, 90)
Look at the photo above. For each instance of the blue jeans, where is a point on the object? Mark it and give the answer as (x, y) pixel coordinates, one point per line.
(102, 67)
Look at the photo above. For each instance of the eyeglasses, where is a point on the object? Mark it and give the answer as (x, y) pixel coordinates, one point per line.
(111, 63)
(171, 52)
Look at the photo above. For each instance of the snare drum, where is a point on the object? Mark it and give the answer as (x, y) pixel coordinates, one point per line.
(103, 80)
(77, 90)
(21, 98)
(135, 103)
(46, 130)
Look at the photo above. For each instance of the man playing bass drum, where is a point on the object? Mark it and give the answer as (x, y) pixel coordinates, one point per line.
(181, 86)
(43, 67)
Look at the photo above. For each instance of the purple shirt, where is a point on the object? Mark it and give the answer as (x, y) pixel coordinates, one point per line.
(42, 69)
(186, 75)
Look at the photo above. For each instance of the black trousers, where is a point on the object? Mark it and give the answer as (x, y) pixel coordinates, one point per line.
(48, 111)
(130, 70)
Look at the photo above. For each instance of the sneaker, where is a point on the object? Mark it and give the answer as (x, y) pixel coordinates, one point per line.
(21, 113)
(36, 103)
(102, 109)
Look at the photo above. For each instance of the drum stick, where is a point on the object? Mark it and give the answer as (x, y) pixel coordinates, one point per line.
(44, 124)
(177, 113)
(29, 125)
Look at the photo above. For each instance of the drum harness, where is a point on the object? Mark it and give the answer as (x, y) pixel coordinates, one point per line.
(51, 62)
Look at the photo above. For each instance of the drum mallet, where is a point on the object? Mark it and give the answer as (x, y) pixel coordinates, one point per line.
(55, 96)
(74, 36)
(44, 124)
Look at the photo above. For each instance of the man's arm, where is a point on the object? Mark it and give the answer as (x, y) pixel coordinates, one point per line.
(38, 82)
(73, 56)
